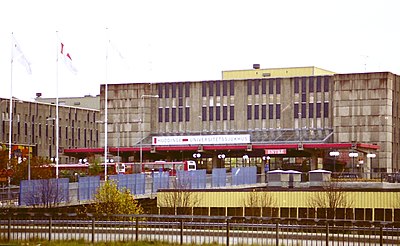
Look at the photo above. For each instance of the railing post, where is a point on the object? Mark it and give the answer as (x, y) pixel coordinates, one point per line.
(93, 228)
(50, 226)
(327, 233)
(181, 231)
(137, 229)
(381, 235)
(277, 233)
(227, 231)
(9, 229)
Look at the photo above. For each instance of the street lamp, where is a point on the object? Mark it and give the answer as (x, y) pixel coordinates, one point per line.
(353, 155)
(334, 154)
(141, 123)
(222, 157)
(370, 156)
(245, 159)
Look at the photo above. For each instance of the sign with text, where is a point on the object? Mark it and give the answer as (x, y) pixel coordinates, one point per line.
(202, 139)
(275, 151)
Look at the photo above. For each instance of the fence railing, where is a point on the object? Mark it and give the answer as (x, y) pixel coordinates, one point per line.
(221, 230)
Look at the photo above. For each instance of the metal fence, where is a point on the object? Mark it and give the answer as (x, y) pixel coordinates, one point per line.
(196, 230)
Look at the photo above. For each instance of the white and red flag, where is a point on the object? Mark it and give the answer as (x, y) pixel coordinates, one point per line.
(18, 55)
(67, 59)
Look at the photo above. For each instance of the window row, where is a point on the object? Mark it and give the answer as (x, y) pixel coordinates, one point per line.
(273, 86)
(314, 109)
(173, 90)
(218, 88)
(218, 113)
(174, 114)
(315, 84)
(256, 112)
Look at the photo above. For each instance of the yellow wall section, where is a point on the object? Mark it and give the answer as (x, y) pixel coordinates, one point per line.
(275, 72)
(293, 198)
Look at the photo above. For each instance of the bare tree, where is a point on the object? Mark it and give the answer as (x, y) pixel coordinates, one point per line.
(258, 199)
(45, 193)
(333, 196)
(180, 196)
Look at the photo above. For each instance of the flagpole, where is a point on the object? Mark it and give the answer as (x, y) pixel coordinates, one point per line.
(10, 121)
(106, 110)
(57, 130)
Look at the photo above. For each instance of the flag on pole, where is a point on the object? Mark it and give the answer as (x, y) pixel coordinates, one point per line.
(18, 55)
(66, 57)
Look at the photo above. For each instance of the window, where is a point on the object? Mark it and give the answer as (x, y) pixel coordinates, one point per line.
(311, 110)
(296, 110)
(326, 84)
(318, 84)
(278, 86)
(264, 86)
(326, 109)
(231, 112)
(271, 111)
(263, 111)
(256, 87)
(173, 115)
(160, 115)
(187, 90)
(211, 88)
(166, 114)
(271, 86)
(204, 114)
(217, 113)
(225, 113)
(304, 85)
(249, 112)
(232, 88)
(160, 90)
(211, 113)
(173, 90)
(249, 85)
(303, 110)
(218, 88)
(318, 113)
(311, 84)
(224, 88)
(204, 89)
(256, 112)
(180, 114)
(278, 111)
(296, 85)
(166, 90)
(180, 90)
(187, 114)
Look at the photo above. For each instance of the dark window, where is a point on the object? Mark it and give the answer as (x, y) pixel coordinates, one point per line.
(66, 132)
(249, 87)
(218, 88)
(232, 88)
(187, 114)
(231, 112)
(256, 112)
(296, 110)
(318, 113)
(160, 115)
(264, 86)
(278, 86)
(326, 84)
(304, 85)
(278, 111)
(326, 109)
(303, 110)
(256, 87)
(263, 111)
(296, 85)
(249, 112)
(40, 131)
(173, 88)
(217, 113)
(26, 129)
(160, 87)
(311, 110)
(303, 97)
(204, 89)
(166, 114)
(318, 84)
(211, 88)
(204, 114)
(311, 84)
(225, 113)
(166, 90)
(180, 102)
(187, 90)
(180, 90)
(180, 114)
(47, 131)
(271, 111)
(173, 115)
(271, 86)
(211, 114)
(224, 88)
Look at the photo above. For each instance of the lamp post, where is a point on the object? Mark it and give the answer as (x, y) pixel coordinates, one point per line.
(222, 157)
(141, 123)
(370, 156)
(197, 156)
(334, 154)
(353, 155)
(245, 159)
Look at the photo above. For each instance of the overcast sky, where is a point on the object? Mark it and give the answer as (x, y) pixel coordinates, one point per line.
(171, 40)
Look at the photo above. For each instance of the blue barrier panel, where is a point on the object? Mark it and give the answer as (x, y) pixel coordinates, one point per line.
(160, 181)
(218, 177)
(237, 175)
(198, 179)
(140, 183)
(182, 180)
(44, 191)
(252, 175)
(87, 187)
